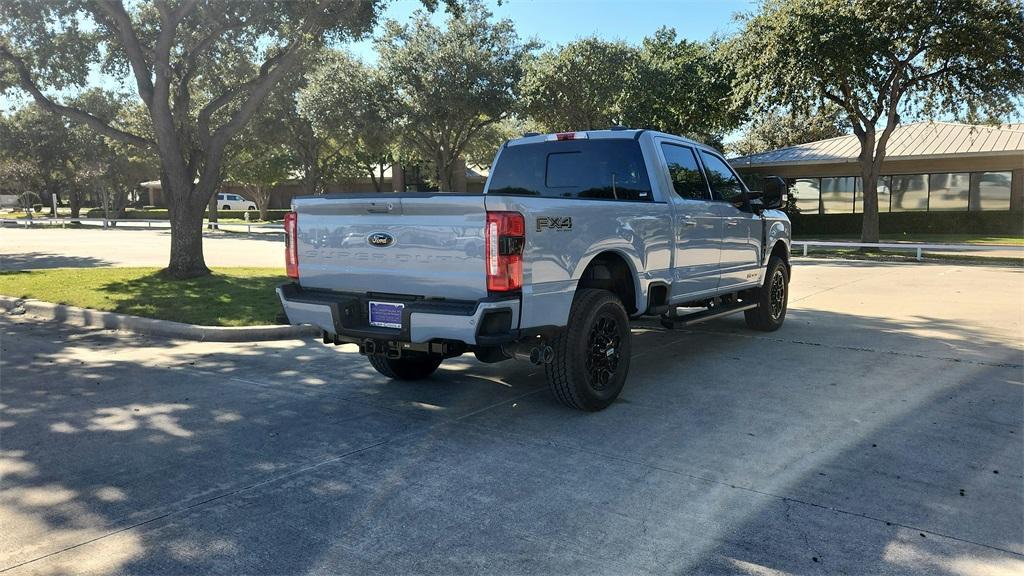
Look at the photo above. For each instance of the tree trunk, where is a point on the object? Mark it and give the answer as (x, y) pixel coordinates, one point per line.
(120, 199)
(186, 216)
(869, 182)
(51, 189)
(459, 175)
(311, 178)
(263, 203)
(397, 177)
(374, 179)
(75, 203)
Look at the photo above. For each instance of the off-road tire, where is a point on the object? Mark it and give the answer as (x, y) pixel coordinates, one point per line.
(406, 367)
(592, 354)
(772, 298)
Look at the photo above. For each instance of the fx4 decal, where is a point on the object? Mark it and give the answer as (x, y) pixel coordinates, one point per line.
(554, 223)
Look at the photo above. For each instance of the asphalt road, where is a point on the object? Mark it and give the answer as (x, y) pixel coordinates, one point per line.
(880, 431)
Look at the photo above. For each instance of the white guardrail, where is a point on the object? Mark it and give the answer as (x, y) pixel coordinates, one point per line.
(135, 223)
(919, 248)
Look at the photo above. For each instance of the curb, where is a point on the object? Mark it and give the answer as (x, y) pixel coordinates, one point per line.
(86, 318)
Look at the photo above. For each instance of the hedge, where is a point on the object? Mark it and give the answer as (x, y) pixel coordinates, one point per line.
(161, 214)
(1002, 223)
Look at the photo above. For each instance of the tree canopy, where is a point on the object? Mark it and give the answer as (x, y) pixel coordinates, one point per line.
(578, 86)
(672, 85)
(779, 128)
(353, 106)
(49, 155)
(450, 83)
(880, 61)
(681, 87)
(202, 68)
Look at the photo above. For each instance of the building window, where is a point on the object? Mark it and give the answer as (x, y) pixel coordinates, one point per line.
(909, 193)
(990, 190)
(948, 191)
(807, 192)
(837, 194)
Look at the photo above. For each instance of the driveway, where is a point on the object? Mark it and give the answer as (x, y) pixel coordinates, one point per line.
(880, 431)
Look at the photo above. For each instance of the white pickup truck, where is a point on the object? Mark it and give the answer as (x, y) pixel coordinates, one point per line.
(575, 234)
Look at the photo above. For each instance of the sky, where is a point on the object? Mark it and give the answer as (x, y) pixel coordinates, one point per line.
(555, 22)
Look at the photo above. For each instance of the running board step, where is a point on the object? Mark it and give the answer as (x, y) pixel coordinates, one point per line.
(670, 322)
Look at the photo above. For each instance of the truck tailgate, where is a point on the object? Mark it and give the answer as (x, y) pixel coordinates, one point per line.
(429, 245)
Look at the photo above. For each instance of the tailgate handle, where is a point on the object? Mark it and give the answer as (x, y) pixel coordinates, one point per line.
(380, 207)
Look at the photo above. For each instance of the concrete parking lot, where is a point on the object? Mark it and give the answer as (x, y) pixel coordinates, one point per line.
(54, 247)
(880, 431)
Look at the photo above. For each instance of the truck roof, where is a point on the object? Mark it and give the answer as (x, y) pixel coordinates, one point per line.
(614, 133)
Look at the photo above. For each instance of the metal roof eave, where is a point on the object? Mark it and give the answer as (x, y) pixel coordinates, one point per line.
(738, 163)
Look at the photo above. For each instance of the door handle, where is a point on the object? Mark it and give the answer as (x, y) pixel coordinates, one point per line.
(732, 222)
(689, 222)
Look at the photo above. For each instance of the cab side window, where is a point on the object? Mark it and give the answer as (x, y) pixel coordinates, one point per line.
(725, 185)
(687, 178)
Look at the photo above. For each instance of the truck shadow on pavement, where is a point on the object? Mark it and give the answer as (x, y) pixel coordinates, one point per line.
(840, 443)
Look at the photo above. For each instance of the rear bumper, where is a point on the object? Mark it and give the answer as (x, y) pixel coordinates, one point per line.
(486, 322)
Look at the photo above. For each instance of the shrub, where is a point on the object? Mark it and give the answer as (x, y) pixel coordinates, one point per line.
(1001, 223)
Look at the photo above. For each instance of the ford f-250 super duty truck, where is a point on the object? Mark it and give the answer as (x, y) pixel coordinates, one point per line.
(575, 234)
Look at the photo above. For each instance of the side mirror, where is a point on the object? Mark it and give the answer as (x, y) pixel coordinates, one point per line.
(775, 191)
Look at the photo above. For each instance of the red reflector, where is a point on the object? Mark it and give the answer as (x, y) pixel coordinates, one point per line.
(291, 245)
(505, 238)
(565, 136)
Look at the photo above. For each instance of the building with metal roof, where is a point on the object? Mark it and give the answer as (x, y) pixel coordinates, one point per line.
(929, 167)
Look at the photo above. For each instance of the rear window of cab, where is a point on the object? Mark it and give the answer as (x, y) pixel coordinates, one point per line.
(610, 169)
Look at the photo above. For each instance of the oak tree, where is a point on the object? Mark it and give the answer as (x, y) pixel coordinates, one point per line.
(451, 82)
(188, 61)
(881, 61)
(779, 128)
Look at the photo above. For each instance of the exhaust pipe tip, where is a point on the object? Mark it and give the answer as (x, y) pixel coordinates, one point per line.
(536, 356)
(542, 355)
(548, 355)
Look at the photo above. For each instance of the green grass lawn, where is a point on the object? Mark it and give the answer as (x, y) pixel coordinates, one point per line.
(926, 238)
(229, 297)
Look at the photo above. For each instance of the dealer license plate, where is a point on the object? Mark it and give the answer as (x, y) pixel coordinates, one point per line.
(386, 314)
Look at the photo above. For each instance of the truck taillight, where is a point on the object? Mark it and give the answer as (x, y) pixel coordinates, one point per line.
(505, 239)
(291, 245)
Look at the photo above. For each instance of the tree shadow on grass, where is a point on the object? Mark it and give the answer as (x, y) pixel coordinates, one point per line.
(44, 260)
(215, 300)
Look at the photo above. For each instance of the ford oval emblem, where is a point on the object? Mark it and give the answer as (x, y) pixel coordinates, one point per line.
(380, 239)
